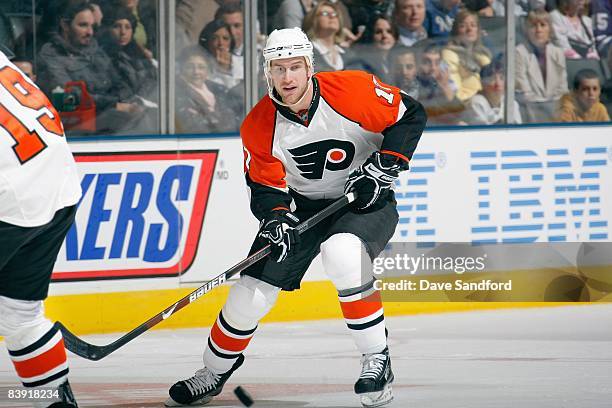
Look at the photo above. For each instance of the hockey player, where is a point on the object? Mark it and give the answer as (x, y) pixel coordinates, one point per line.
(39, 188)
(310, 140)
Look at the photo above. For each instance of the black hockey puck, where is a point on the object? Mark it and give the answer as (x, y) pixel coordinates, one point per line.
(243, 396)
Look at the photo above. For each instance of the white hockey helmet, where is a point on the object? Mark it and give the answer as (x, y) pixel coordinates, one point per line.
(286, 43)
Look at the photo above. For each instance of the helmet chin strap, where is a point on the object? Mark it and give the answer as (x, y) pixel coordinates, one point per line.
(289, 105)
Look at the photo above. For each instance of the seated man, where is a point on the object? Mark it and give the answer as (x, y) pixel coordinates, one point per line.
(582, 104)
(403, 71)
(231, 14)
(74, 55)
(436, 89)
(439, 17)
(409, 16)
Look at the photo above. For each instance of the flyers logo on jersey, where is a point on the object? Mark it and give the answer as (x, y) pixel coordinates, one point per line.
(141, 215)
(313, 159)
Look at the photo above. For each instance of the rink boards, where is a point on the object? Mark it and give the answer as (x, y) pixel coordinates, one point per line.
(158, 214)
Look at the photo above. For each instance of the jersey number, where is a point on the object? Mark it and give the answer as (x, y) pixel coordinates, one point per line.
(382, 92)
(28, 143)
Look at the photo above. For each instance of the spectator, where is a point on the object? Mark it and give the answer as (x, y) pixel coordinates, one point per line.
(487, 106)
(231, 14)
(436, 89)
(484, 8)
(324, 27)
(26, 67)
(217, 40)
(465, 55)
(521, 7)
(602, 17)
(201, 105)
(409, 16)
(135, 66)
(402, 61)
(291, 13)
(373, 56)
(141, 35)
(145, 12)
(363, 14)
(439, 17)
(574, 31)
(582, 104)
(74, 55)
(541, 75)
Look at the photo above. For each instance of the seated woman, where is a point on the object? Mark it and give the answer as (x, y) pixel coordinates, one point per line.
(582, 104)
(541, 75)
(465, 55)
(374, 56)
(574, 31)
(487, 106)
(216, 38)
(201, 105)
(136, 66)
(323, 25)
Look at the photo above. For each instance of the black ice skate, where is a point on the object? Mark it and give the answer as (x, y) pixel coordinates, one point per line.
(374, 383)
(66, 397)
(201, 388)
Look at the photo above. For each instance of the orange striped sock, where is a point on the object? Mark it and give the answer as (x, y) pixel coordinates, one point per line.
(43, 361)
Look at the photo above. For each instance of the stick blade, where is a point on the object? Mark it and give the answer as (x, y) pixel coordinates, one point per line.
(80, 347)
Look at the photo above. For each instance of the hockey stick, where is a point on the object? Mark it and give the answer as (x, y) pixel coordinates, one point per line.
(93, 352)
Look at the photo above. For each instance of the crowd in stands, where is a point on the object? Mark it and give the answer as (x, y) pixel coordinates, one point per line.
(448, 54)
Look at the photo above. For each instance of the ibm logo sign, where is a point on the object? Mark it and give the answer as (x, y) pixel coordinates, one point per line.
(412, 197)
(548, 197)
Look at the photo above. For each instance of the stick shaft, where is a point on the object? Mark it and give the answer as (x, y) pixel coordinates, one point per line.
(94, 352)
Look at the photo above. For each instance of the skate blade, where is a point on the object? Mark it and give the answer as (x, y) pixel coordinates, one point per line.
(197, 403)
(377, 399)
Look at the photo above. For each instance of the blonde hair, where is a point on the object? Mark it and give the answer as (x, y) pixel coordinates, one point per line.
(542, 16)
(460, 18)
(311, 25)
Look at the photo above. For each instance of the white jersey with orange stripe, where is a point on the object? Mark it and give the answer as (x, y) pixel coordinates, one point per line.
(38, 175)
(351, 116)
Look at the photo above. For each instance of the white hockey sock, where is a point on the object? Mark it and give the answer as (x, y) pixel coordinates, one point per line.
(343, 255)
(35, 347)
(248, 302)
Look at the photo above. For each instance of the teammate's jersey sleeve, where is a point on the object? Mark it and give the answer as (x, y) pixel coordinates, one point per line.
(265, 174)
(377, 107)
(38, 174)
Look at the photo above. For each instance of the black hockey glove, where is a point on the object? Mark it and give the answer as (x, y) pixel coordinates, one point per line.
(279, 230)
(373, 179)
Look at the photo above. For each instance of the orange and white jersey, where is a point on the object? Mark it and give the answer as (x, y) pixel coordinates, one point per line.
(352, 115)
(38, 174)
